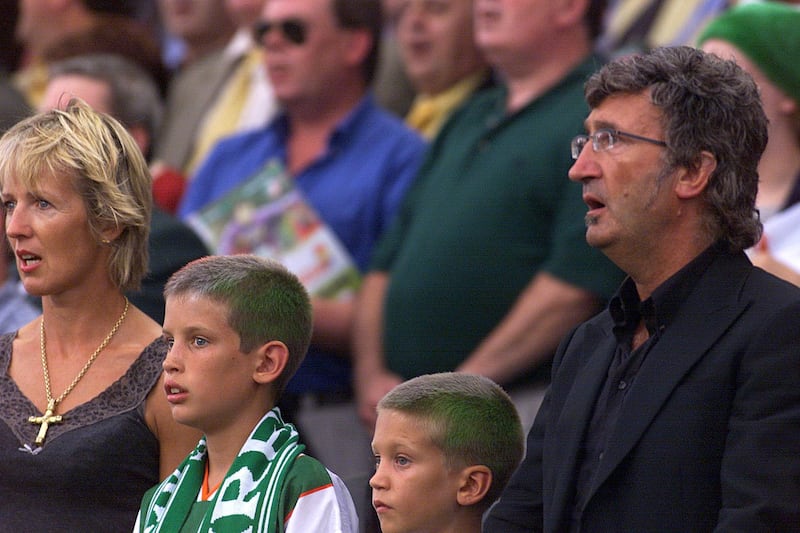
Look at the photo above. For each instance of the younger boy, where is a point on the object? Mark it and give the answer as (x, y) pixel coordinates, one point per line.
(237, 328)
(445, 445)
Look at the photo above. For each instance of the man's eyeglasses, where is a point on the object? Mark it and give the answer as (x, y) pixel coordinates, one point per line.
(295, 30)
(605, 139)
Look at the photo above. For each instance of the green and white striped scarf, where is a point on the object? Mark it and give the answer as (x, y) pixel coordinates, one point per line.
(248, 498)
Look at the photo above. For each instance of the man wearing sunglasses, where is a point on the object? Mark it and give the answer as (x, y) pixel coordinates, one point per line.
(678, 407)
(351, 160)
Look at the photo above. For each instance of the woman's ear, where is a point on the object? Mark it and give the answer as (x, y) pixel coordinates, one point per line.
(475, 482)
(110, 234)
(271, 361)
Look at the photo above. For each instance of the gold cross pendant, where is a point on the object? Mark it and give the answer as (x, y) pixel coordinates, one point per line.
(44, 421)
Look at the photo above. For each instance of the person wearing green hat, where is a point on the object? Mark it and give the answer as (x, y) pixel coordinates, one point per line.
(764, 39)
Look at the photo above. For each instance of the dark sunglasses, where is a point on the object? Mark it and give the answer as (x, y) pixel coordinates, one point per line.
(295, 30)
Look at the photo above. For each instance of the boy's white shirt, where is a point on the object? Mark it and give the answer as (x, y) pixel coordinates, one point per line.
(330, 510)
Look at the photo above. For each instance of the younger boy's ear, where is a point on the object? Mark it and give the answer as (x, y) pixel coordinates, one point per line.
(476, 480)
(272, 359)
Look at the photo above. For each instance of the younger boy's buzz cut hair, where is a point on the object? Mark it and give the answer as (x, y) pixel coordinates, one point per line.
(265, 302)
(469, 417)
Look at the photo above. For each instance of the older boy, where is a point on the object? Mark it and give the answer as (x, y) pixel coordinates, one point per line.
(445, 445)
(237, 328)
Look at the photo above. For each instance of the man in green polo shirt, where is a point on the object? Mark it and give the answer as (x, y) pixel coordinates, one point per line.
(487, 267)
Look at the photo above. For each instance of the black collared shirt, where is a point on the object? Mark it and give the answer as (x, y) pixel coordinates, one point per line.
(657, 312)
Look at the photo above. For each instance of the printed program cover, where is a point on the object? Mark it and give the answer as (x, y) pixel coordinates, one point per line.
(267, 216)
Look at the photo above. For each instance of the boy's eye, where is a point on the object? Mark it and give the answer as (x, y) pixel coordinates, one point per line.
(200, 342)
(402, 461)
(170, 342)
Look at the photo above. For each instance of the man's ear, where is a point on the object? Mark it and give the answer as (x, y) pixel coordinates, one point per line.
(568, 12)
(360, 44)
(272, 359)
(141, 137)
(693, 181)
(788, 106)
(474, 482)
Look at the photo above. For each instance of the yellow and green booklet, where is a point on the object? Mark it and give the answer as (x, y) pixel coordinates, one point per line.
(267, 216)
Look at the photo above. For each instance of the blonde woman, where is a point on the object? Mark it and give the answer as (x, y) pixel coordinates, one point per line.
(85, 427)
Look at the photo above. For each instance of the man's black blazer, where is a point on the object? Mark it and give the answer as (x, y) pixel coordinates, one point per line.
(708, 437)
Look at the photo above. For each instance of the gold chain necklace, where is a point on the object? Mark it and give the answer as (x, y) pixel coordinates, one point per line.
(49, 416)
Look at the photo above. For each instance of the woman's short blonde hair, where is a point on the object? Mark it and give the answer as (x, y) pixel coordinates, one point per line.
(107, 169)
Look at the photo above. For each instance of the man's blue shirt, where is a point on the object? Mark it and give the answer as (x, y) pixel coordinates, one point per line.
(356, 186)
